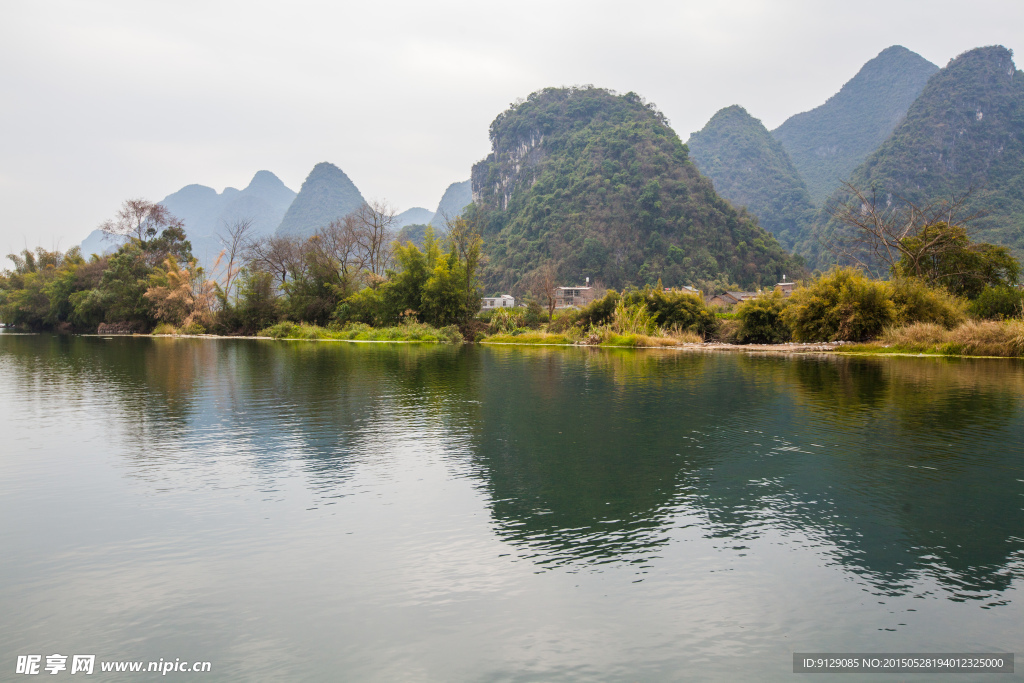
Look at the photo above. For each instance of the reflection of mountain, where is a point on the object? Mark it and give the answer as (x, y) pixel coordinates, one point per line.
(898, 467)
(894, 469)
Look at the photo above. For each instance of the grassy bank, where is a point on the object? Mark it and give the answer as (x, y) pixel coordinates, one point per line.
(603, 337)
(972, 338)
(410, 332)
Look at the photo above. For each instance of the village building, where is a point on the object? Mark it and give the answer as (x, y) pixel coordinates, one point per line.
(729, 298)
(573, 297)
(785, 287)
(503, 301)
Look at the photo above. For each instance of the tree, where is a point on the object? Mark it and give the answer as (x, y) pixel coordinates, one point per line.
(467, 244)
(234, 238)
(375, 221)
(279, 256)
(141, 220)
(930, 242)
(543, 284)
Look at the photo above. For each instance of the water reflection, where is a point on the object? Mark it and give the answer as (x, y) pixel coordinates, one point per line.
(895, 469)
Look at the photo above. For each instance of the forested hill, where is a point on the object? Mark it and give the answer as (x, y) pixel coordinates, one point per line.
(599, 185)
(828, 142)
(750, 168)
(966, 130)
(326, 194)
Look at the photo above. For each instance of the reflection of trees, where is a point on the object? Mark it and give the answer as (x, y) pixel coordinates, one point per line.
(730, 438)
(897, 467)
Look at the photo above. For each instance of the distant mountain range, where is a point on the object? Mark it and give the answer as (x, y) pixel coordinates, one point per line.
(964, 132)
(206, 213)
(597, 184)
(326, 194)
(828, 142)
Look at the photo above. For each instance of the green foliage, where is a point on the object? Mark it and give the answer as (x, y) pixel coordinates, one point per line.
(999, 303)
(633, 319)
(842, 305)
(944, 255)
(597, 312)
(257, 306)
(751, 168)
(761, 320)
(916, 302)
(599, 185)
(506, 320)
(677, 310)
(409, 331)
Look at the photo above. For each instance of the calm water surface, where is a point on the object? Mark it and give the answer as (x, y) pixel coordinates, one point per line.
(321, 511)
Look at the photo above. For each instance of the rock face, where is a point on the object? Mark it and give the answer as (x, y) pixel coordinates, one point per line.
(965, 131)
(456, 198)
(599, 186)
(751, 169)
(828, 142)
(326, 194)
(207, 213)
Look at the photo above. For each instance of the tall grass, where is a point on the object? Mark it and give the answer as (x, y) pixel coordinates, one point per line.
(971, 338)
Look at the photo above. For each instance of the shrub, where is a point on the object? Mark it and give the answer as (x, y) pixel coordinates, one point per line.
(761, 320)
(916, 302)
(193, 328)
(506, 319)
(727, 331)
(999, 303)
(633, 319)
(842, 305)
(564, 321)
(676, 309)
(165, 328)
(599, 311)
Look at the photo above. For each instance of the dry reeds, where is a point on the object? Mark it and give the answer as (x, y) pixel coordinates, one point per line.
(971, 338)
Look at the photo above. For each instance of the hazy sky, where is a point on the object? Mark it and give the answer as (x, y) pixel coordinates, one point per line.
(107, 100)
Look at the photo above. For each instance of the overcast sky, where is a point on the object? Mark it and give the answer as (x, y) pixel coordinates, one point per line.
(102, 101)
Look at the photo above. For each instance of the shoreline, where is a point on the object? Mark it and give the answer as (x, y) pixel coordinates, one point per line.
(785, 349)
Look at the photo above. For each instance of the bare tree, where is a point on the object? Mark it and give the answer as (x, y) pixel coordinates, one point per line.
(279, 256)
(235, 238)
(542, 286)
(375, 221)
(881, 233)
(140, 219)
(337, 246)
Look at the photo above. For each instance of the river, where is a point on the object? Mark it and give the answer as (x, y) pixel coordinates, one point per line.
(393, 512)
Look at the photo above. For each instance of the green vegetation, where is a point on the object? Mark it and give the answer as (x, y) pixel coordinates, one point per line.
(410, 331)
(761, 320)
(751, 169)
(828, 142)
(333, 285)
(596, 184)
(843, 305)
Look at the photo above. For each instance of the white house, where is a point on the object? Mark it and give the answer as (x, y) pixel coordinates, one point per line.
(503, 301)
